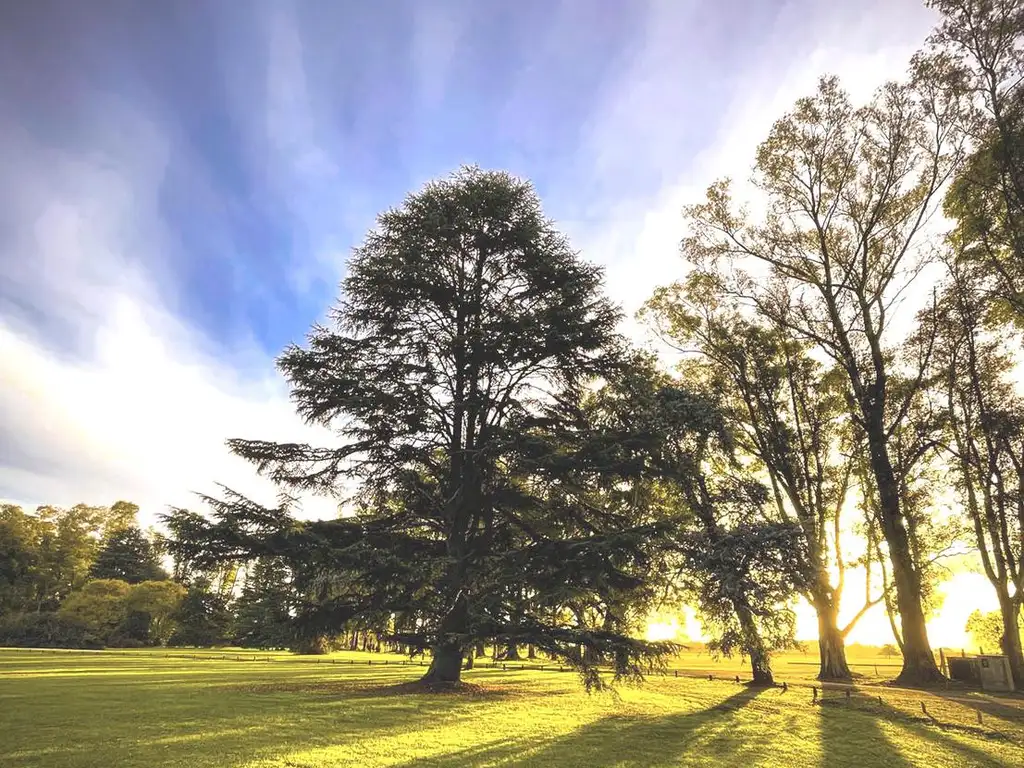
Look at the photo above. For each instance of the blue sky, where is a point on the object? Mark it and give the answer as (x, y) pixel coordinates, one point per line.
(182, 181)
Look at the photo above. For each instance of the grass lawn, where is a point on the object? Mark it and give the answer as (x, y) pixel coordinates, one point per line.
(141, 708)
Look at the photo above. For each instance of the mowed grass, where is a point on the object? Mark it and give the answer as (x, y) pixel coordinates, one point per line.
(141, 708)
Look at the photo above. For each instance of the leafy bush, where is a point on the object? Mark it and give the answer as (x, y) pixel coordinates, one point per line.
(46, 630)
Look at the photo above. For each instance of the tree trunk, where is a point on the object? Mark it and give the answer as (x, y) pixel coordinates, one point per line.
(753, 646)
(481, 651)
(512, 652)
(469, 660)
(831, 643)
(531, 652)
(446, 665)
(919, 667)
(1011, 642)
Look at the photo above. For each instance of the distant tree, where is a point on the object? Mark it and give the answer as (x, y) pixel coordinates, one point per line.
(848, 193)
(462, 315)
(99, 605)
(987, 630)
(263, 610)
(202, 619)
(127, 554)
(20, 555)
(151, 607)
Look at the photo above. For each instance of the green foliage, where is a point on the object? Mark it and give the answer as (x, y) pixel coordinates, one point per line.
(122, 614)
(20, 554)
(262, 611)
(127, 554)
(975, 54)
(151, 608)
(202, 618)
(754, 566)
(985, 629)
(99, 605)
(48, 554)
(46, 630)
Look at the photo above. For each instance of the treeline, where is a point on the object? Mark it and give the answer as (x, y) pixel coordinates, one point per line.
(89, 577)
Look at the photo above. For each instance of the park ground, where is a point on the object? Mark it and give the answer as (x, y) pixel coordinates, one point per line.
(204, 709)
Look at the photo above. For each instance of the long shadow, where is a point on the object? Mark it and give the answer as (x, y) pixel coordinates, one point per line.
(639, 742)
(852, 735)
(1010, 708)
(849, 737)
(933, 734)
(201, 725)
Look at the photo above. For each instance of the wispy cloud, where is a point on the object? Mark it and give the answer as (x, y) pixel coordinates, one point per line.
(677, 70)
(185, 207)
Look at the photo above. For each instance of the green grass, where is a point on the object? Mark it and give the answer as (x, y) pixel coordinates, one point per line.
(141, 708)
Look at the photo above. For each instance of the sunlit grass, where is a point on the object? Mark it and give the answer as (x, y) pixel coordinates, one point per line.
(141, 708)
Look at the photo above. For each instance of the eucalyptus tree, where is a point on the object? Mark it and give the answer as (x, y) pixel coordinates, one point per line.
(787, 412)
(983, 430)
(847, 197)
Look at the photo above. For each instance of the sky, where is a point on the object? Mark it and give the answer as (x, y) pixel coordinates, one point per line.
(181, 183)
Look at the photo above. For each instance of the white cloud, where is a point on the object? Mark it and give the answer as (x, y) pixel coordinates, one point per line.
(144, 407)
(135, 404)
(637, 238)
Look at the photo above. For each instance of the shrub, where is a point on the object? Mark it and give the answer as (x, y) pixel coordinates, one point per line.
(46, 630)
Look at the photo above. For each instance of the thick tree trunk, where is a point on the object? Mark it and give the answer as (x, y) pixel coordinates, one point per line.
(512, 652)
(481, 651)
(760, 659)
(919, 667)
(469, 660)
(831, 643)
(1011, 642)
(446, 665)
(531, 652)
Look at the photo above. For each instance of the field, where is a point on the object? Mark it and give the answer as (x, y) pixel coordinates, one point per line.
(220, 709)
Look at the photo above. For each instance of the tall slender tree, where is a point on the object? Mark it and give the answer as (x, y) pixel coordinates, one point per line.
(848, 193)
(984, 439)
(787, 413)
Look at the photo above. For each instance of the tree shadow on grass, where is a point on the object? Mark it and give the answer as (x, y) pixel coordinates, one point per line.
(852, 734)
(939, 736)
(639, 742)
(207, 727)
(854, 738)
